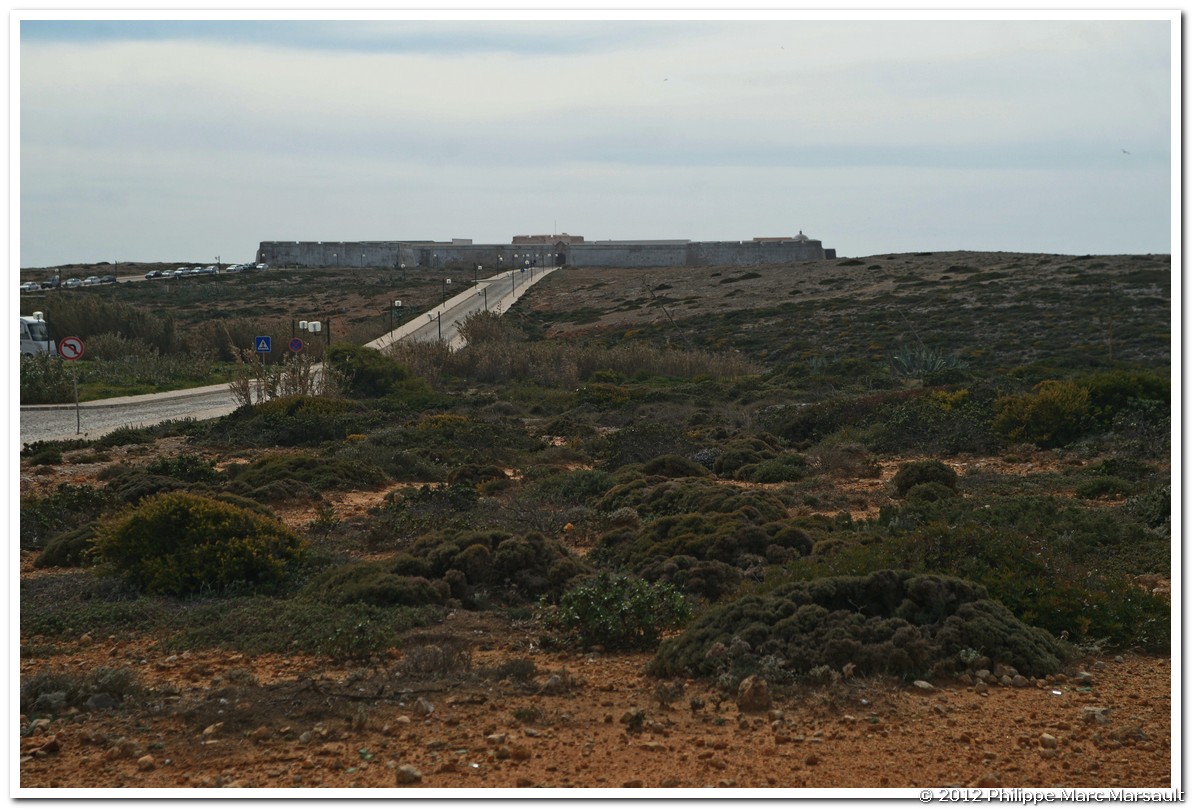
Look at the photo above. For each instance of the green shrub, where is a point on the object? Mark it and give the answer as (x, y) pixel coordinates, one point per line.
(707, 579)
(1056, 414)
(186, 466)
(45, 380)
(376, 584)
(67, 507)
(888, 622)
(1111, 392)
(290, 421)
(620, 612)
(179, 544)
(297, 475)
(475, 475)
(929, 493)
(640, 442)
(578, 487)
(915, 473)
(483, 563)
(1104, 486)
(368, 373)
(125, 436)
(787, 467)
(740, 453)
(651, 498)
(674, 466)
(69, 549)
(51, 691)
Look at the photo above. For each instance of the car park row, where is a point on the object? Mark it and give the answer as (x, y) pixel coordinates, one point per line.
(53, 282)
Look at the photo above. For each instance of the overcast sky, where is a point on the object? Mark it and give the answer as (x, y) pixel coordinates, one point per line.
(184, 140)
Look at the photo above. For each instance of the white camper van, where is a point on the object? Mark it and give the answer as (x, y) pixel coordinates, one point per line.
(35, 336)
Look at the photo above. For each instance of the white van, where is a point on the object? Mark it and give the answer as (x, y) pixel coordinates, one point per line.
(35, 336)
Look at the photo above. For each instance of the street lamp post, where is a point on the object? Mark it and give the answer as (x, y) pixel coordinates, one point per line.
(315, 327)
(396, 305)
(484, 291)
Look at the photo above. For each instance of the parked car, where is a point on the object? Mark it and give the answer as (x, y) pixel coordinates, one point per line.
(71, 283)
(91, 281)
(30, 286)
(51, 282)
(107, 279)
(262, 266)
(153, 274)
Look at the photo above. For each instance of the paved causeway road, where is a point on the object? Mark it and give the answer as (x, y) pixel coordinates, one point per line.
(94, 419)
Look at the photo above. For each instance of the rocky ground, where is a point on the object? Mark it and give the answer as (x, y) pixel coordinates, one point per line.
(587, 720)
(476, 703)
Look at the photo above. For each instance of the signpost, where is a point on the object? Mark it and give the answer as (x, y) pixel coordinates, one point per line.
(71, 348)
(264, 345)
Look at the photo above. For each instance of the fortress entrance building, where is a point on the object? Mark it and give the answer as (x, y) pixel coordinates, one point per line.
(553, 250)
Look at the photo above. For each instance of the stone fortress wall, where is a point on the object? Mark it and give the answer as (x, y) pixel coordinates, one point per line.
(544, 251)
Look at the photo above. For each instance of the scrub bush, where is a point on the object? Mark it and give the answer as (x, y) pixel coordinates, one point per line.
(68, 549)
(477, 563)
(915, 473)
(620, 612)
(652, 497)
(374, 583)
(67, 507)
(296, 475)
(1054, 415)
(366, 372)
(674, 466)
(179, 544)
(787, 467)
(888, 622)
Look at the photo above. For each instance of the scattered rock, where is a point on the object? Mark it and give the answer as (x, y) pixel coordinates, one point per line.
(495, 738)
(50, 702)
(100, 702)
(1047, 741)
(146, 763)
(211, 730)
(51, 745)
(423, 707)
(408, 774)
(557, 683)
(636, 783)
(923, 685)
(988, 781)
(1095, 715)
(1018, 681)
(754, 694)
(38, 725)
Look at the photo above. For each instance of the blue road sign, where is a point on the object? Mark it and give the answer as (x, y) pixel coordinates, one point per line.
(295, 345)
(263, 344)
